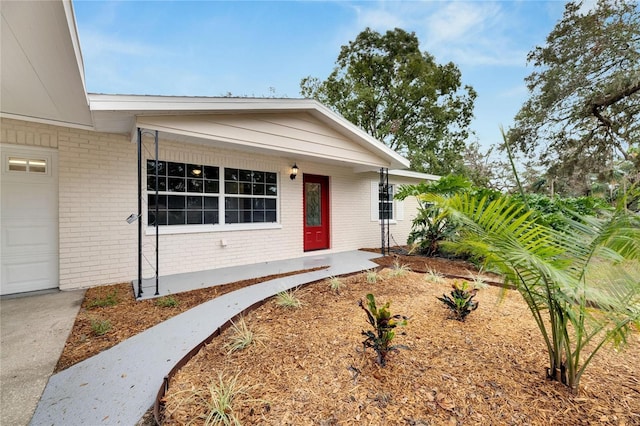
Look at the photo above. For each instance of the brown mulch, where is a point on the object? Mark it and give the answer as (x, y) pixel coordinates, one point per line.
(308, 367)
(129, 317)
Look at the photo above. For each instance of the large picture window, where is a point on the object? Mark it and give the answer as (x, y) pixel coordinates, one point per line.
(195, 194)
(188, 194)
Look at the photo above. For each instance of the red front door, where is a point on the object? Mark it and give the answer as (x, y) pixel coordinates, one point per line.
(316, 212)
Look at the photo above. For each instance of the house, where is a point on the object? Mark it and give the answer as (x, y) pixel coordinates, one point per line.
(93, 185)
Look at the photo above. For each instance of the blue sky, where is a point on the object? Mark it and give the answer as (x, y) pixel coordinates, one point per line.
(264, 48)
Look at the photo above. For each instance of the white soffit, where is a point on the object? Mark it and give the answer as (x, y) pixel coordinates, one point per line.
(42, 76)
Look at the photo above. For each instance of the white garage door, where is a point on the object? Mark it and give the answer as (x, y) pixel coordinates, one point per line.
(28, 219)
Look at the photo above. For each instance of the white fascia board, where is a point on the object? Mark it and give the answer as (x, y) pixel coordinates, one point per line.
(414, 175)
(75, 40)
(172, 104)
(50, 122)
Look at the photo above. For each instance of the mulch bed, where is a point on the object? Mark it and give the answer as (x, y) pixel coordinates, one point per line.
(129, 316)
(308, 367)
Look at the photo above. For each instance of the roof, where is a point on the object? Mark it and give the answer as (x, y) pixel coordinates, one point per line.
(43, 80)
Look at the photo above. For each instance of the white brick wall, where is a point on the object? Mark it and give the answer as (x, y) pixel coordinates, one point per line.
(26, 133)
(97, 187)
(97, 193)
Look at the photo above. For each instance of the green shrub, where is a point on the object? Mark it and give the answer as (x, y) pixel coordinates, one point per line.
(461, 302)
(434, 276)
(383, 323)
(372, 276)
(241, 336)
(110, 300)
(220, 400)
(100, 327)
(167, 302)
(288, 299)
(336, 284)
(399, 269)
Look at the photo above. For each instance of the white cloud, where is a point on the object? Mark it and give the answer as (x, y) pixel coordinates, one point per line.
(467, 33)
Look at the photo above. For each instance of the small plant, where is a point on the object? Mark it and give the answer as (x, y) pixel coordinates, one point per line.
(461, 302)
(100, 327)
(288, 299)
(399, 269)
(167, 302)
(383, 323)
(434, 276)
(479, 282)
(241, 336)
(336, 284)
(110, 300)
(372, 276)
(220, 400)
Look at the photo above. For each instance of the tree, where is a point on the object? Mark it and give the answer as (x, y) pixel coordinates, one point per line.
(584, 110)
(401, 96)
(580, 284)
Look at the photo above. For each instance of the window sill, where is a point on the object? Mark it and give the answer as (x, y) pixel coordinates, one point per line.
(391, 222)
(198, 229)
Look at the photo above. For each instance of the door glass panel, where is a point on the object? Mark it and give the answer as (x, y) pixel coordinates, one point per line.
(313, 204)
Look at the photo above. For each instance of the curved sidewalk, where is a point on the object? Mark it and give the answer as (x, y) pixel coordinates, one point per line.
(119, 385)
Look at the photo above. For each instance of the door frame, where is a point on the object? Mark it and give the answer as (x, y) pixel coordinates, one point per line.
(325, 210)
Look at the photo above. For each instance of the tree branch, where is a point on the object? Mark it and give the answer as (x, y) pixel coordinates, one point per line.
(598, 106)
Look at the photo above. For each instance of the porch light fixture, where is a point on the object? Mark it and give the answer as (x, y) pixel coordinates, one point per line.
(294, 171)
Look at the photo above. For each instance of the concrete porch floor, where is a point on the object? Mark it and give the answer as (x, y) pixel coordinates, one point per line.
(119, 385)
(177, 283)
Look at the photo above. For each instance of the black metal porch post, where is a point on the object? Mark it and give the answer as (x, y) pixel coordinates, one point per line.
(139, 212)
(157, 234)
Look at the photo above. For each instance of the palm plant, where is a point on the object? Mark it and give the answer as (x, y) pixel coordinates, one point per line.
(576, 311)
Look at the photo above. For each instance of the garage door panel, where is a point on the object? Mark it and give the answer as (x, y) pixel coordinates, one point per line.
(27, 239)
(30, 200)
(30, 274)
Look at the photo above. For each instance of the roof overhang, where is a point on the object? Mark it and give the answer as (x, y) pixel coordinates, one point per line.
(42, 74)
(174, 117)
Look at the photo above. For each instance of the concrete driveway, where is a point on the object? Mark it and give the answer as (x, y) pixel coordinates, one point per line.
(33, 331)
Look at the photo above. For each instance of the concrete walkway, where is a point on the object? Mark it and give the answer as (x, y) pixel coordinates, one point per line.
(34, 329)
(119, 385)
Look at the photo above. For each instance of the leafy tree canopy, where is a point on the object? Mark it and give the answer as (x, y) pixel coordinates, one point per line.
(401, 96)
(584, 109)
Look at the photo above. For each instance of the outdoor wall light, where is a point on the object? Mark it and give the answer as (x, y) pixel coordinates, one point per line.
(294, 171)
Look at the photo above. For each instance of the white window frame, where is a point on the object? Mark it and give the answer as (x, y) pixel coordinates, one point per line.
(398, 206)
(221, 226)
